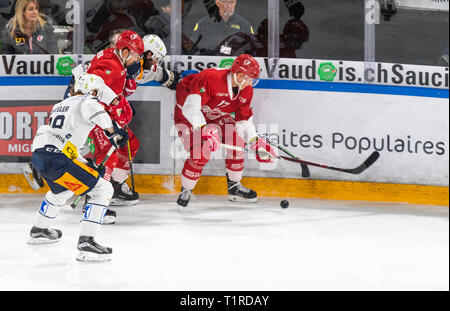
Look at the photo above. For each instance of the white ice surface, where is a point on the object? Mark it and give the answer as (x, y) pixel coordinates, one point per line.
(218, 245)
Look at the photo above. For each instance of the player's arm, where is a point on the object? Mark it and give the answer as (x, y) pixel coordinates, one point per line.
(96, 114)
(246, 129)
(199, 92)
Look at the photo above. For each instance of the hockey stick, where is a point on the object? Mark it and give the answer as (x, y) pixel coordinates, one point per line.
(131, 166)
(101, 165)
(305, 169)
(357, 170)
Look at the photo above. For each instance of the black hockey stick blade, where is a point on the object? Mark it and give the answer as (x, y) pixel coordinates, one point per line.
(358, 170)
(370, 160)
(305, 170)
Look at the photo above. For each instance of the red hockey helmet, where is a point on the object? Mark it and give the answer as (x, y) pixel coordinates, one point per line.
(246, 64)
(132, 41)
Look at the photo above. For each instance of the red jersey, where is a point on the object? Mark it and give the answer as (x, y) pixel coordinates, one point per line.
(107, 65)
(217, 97)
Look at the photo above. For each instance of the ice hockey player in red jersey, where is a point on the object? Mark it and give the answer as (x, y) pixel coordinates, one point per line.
(111, 65)
(203, 119)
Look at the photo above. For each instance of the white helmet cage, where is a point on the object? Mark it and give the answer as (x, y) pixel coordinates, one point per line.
(154, 44)
(88, 83)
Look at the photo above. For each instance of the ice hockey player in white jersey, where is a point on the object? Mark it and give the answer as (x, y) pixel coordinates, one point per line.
(56, 158)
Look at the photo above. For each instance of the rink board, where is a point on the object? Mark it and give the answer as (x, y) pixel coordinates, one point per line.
(274, 187)
(337, 124)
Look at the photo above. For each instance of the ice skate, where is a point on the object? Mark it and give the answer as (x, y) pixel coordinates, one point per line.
(91, 251)
(123, 195)
(183, 198)
(44, 235)
(238, 193)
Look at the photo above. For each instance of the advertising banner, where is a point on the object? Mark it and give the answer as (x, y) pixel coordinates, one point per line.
(281, 69)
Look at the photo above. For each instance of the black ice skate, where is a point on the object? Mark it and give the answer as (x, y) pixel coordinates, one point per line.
(184, 197)
(238, 193)
(110, 215)
(92, 251)
(123, 195)
(44, 236)
(33, 177)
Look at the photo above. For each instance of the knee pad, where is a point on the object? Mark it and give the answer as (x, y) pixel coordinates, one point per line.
(94, 213)
(58, 199)
(102, 193)
(50, 208)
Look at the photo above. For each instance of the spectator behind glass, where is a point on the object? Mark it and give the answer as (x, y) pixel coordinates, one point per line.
(225, 33)
(27, 32)
(159, 24)
(115, 14)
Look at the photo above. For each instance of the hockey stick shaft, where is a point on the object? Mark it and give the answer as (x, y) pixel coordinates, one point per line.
(305, 169)
(357, 170)
(101, 165)
(130, 160)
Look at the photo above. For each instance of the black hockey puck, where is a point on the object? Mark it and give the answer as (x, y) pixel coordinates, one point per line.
(284, 204)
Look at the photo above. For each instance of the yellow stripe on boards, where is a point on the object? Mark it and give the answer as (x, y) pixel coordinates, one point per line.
(274, 187)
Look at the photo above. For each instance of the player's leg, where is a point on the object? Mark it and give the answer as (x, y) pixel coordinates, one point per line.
(83, 180)
(42, 230)
(93, 217)
(99, 146)
(234, 163)
(123, 195)
(193, 166)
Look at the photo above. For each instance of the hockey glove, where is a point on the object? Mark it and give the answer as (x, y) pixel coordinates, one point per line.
(118, 138)
(265, 153)
(101, 170)
(210, 136)
(130, 87)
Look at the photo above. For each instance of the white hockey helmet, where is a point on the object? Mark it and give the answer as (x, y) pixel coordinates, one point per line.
(154, 44)
(88, 83)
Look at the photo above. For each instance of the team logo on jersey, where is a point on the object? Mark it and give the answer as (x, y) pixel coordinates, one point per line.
(108, 72)
(202, 90)
(223, 104)
(133, 37)
(236, 26)
(222, 94)
(40, 38)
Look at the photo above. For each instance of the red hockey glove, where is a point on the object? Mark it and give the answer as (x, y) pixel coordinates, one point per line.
(121, 113)
(265, 153)
(130, 87)
(210, 136)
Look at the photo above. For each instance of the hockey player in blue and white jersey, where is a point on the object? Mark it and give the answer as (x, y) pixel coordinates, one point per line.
(56, 157)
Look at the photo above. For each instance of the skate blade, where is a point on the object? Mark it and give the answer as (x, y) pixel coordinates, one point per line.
(39, 241)
(28, 173)
(236, 198)
(92, 257)
(120, 202)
